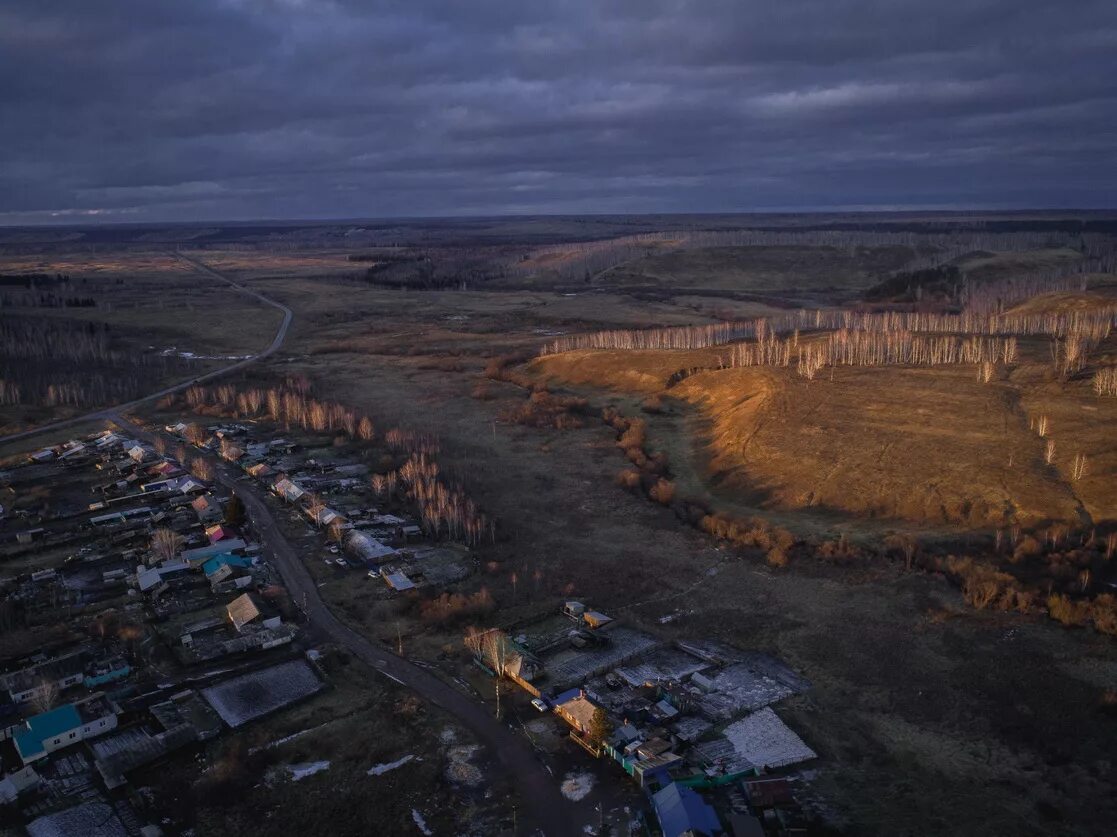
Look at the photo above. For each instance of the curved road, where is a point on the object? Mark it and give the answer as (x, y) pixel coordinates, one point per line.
(108, 412)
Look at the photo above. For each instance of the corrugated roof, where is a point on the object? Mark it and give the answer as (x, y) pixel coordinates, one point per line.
(242, 610)
(680, 811)
(224, 559)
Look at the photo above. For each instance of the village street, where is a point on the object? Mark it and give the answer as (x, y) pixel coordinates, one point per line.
(546, 810)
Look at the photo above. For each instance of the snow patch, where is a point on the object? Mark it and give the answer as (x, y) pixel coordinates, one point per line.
(575, 786)
(381, 769)
(279, 742)
(420, 823)
(309, 768)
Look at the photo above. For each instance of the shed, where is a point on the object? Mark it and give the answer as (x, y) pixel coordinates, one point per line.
(596, 619)
(398, 581)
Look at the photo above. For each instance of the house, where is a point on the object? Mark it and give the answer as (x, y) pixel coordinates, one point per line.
(109, 438)
(151, 577)
(66, 725)
(324, 516)
(106, 671)
(367, 548)
(163, 484)
(220, 567)
(207, 508)
(245, 609)
(71, 449)
(165, 469)
(218, 532)
(201, 554)
(260, 470)
(56, 674)
(288, 490)
(576, 709)
(186, 485)
(683, 813)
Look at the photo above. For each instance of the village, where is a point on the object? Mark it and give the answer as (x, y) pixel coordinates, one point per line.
(168, 626)
(690, 722)
(173, 628)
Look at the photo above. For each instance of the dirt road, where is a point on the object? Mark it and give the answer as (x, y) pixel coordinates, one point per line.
(277, 341)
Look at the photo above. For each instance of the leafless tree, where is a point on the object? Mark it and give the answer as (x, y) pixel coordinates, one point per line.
(165, 544)
(46, 693)
(491, 648)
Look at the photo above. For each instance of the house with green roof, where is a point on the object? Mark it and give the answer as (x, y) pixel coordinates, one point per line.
(63, 726)
(220, 567)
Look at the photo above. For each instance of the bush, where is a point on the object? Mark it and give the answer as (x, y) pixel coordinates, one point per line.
(1028, 547)
(663, 491)
(628, 478)
(453, 607)
(1063, 610)
(776, 557)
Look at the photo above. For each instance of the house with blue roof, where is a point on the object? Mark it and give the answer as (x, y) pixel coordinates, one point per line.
(63, 726)
(220, 567)
(683, 813)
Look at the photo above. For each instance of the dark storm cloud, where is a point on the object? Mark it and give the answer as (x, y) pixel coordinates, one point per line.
(163, 109)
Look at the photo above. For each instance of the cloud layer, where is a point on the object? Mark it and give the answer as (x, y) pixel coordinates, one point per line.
(239, 109)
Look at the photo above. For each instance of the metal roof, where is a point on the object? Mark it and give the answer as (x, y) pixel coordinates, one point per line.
(50, 724)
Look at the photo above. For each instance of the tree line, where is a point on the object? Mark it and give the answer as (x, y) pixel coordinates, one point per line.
(444, 507)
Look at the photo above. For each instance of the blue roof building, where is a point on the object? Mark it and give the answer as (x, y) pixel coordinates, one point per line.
(222, 565)
(681, 811)
(67, 724)
(47, 727)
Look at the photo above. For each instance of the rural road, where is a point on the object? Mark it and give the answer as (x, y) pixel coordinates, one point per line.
(546, 810)
(108, 412)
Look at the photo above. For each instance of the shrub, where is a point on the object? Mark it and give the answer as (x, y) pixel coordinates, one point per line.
(633, 436)
(452, 607)
(1027, 548)
(663, 491)
(1062, 609)
(776, 557)
(628, 478)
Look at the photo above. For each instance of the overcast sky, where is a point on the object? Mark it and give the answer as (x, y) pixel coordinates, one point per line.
(135, 110)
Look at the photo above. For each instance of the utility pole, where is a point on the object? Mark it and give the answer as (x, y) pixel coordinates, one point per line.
(399, 640)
